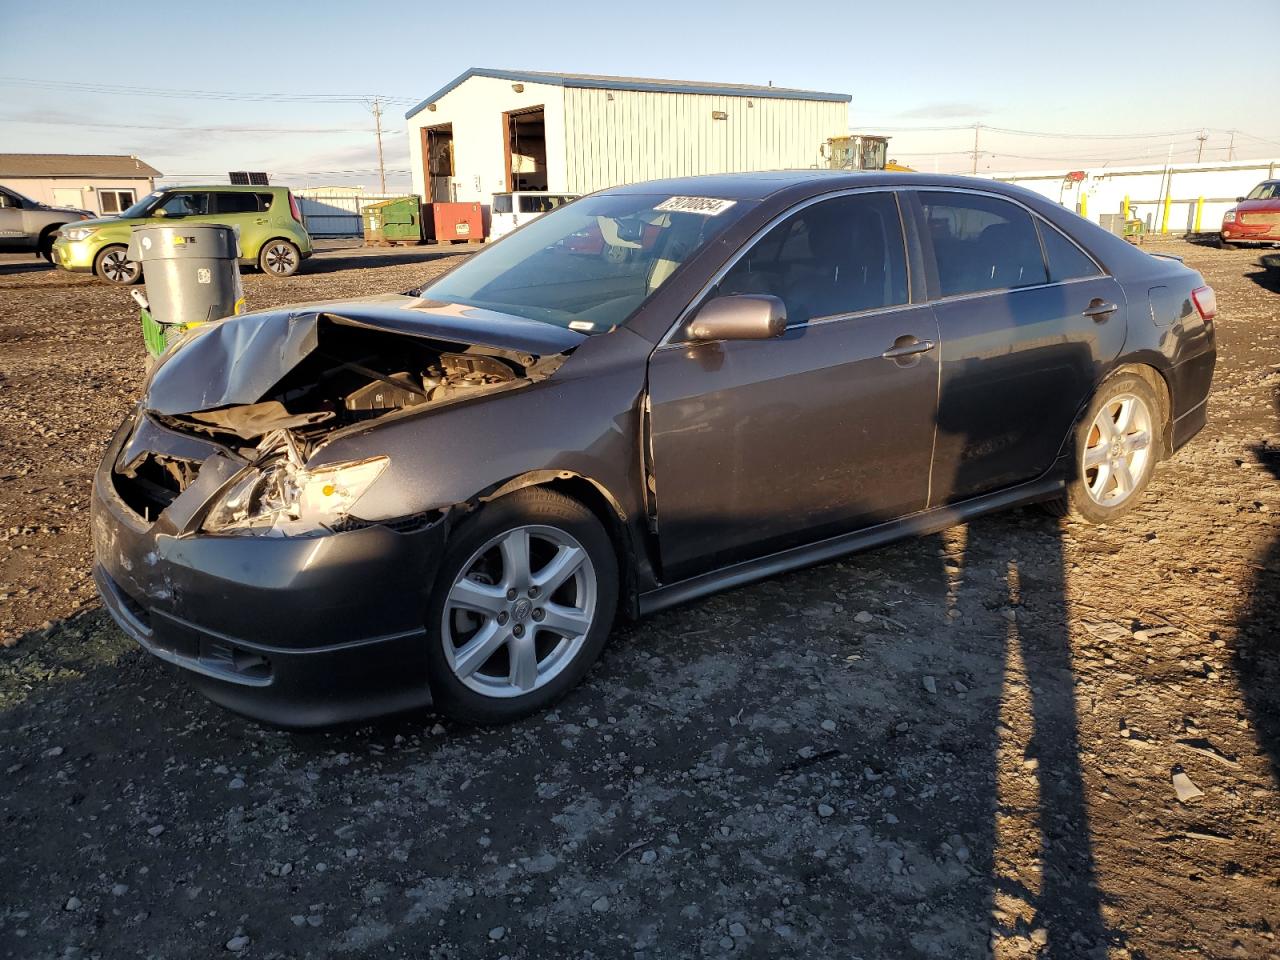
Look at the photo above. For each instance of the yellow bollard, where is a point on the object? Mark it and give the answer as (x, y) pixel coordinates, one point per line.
(1124, 207)
(1084, 204)
(1164, 217)
(1199, 211)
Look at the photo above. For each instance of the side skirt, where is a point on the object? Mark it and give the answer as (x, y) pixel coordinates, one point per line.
(915, 525)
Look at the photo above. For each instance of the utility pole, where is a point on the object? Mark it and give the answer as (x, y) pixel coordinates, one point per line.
(377, 119)
(1231, 147)
(1202, 136)
(976, 128)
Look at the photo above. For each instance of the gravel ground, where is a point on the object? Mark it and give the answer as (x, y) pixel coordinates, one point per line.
(1021, 737)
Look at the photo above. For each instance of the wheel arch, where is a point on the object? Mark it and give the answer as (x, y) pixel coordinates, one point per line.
(1156, 377)
(1158, 381)
(606, 507)
(49, 229)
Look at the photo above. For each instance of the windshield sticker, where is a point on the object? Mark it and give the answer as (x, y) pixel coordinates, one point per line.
(581, 325)
(706, 206)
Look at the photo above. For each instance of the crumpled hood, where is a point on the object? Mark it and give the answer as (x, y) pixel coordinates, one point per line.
(239, 360)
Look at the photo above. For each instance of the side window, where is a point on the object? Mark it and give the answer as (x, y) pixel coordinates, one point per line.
(264, 201)
(982, 243)
(1066, 260)
(839, 256)
(8, 201)
(236, 202)
(502, 203)
(185, 204)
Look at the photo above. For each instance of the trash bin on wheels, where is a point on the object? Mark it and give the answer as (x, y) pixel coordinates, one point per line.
(192, 276)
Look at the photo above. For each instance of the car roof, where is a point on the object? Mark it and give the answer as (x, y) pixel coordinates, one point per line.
(763, 184)
(222, 187)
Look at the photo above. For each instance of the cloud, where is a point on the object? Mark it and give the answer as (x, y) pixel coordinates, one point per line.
(945, 110)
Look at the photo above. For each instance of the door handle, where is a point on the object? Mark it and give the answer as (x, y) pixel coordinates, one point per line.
(1098, 309)
(907, 346)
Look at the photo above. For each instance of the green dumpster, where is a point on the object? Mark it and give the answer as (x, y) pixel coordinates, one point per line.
(398, 220)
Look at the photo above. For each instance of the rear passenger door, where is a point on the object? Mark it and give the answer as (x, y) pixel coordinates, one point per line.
(1028, 324)
(247, 212)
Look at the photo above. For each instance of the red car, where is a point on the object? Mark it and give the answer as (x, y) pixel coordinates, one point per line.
(1255, 217)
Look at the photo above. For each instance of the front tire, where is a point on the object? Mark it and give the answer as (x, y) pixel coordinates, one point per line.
(1116, 445)
(279, 258)
(113, 265)
(45, 247)
(1227, 244)
(521, 608)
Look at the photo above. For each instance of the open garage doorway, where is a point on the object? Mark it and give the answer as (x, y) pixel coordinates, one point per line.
(437, 162)
(526, 149)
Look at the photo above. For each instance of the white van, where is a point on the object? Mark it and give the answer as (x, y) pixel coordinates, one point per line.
(510, 210)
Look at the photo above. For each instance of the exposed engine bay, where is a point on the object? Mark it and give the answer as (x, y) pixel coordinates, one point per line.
(333, 374)
(356, 374)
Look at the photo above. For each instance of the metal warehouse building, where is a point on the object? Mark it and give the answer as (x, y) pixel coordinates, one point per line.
(491, 131)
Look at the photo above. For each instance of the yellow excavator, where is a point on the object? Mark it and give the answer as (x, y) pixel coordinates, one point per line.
(860, 151)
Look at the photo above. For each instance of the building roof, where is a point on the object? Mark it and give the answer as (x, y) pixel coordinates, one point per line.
(107, 166)
(644, 84)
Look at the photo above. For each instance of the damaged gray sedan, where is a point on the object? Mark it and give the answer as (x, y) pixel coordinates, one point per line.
(346, 509)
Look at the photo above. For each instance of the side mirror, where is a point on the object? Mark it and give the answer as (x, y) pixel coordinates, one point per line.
(1239, 199)
(748, 316)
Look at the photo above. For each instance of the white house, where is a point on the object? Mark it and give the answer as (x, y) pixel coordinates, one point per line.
(99, 183)
(491, 131)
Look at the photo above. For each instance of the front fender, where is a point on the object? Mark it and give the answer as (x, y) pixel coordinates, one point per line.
(583, 421)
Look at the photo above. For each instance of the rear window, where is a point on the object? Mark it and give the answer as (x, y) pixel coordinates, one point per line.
(1066, 260)
(535, 203)
(982, 243)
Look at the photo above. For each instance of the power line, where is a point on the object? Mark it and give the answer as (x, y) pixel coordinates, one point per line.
(176, 129)
(112, 89)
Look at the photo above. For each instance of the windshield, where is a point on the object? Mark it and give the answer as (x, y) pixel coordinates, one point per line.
(140, 208)
(1265, 191)
(589, 264)
(26, 201)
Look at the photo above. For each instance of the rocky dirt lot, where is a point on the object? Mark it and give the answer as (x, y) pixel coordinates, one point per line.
(1019, 738)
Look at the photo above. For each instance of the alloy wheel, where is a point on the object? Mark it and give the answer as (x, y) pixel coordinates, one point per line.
(118, 268)
(280, 259)
(519, 611)
(1117, 450)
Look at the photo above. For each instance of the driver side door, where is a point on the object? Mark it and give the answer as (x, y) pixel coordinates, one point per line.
(13, 232)
(762, 445)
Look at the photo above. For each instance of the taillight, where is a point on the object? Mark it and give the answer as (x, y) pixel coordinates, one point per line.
(294, 209)
(1206, 302)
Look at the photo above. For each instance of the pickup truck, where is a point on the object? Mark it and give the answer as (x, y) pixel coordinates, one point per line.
(27, 225)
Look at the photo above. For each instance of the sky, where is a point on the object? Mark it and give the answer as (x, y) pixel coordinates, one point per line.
(287, 88)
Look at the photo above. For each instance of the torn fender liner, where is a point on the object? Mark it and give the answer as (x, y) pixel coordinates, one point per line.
(237, 361)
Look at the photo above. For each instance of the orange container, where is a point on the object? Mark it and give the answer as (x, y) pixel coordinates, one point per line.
(459, 222)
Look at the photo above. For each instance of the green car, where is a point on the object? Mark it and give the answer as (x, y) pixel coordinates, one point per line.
(272, 234)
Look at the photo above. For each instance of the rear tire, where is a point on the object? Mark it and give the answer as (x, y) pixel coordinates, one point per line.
(113, 265)
(1115, 446)
(521, 607)
(279, 258)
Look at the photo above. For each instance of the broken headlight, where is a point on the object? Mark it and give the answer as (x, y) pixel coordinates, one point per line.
(283, 499)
